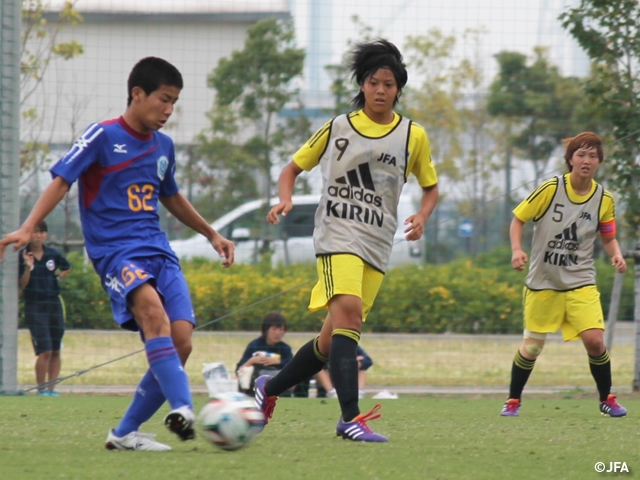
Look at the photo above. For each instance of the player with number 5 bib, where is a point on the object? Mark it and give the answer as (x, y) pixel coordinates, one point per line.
(124, 168)
(568, 212)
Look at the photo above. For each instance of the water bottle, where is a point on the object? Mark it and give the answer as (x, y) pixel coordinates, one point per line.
(313, 389)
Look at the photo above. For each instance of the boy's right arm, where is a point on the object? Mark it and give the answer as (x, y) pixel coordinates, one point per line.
(518, 257)
(26, 264)
(306, 158)
(51, 196)
(286, 181)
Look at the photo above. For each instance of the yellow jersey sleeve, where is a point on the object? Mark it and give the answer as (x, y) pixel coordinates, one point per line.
(420, 163)
(607, 208)
(534, 206)
(308, 156)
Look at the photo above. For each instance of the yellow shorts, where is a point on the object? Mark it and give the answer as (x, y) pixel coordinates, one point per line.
(345, 274)
(545, 311)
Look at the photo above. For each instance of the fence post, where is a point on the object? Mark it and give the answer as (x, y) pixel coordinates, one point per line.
(10, 15)
(614, 305)
(636, 318)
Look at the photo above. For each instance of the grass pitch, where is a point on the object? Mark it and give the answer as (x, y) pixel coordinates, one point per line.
(430, 438)
(399, 360)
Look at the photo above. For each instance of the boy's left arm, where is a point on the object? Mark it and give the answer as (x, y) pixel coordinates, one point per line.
(417, 222)
(608, 233)
(612, 248)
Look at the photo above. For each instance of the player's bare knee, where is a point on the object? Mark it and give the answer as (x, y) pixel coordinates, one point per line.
(349, 320)
(184, 348)
(595, 349)
(149, 313)
(593, 340)
(532, 344)
(532, 350)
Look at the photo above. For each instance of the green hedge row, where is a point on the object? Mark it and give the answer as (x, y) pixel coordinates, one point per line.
(482, 295)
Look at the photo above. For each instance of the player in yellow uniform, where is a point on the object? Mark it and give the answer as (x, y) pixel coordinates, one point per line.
(560, 292)
(364, 157)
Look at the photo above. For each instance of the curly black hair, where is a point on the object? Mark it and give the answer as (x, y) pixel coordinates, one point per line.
(369, 57)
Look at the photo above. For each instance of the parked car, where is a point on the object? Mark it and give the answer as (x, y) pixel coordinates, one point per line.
(291, 241)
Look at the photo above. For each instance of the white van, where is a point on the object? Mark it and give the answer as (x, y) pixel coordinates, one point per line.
(291, 241)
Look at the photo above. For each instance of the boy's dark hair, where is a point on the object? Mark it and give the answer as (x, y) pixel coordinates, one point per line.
(41, 227)
(582, 140)
(369, 57)
(150, 74)
(272, 319)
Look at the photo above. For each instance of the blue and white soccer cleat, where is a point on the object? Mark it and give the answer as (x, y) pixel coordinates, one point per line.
(612, 408)
(511, 408)
(264, 403)
(358, 431)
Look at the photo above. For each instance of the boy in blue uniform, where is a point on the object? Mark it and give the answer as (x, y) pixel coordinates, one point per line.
(124, 167)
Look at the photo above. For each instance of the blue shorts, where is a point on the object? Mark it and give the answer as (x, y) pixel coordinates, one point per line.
(123, 276)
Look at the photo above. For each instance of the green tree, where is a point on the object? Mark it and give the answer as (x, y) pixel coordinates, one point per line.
(608, 32)
(478, 160)
(342, 87)
(536, 107)
(539, 100)
(434, 104)
(40, 47)
(339, 88)
(252, 87)
(220, 174)
(233, 160)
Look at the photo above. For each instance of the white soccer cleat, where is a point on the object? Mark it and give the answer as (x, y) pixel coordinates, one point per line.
(135, 441)
(180, 421)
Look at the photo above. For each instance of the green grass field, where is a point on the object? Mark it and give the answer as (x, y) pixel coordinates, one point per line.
(459, 437)
(399, 360)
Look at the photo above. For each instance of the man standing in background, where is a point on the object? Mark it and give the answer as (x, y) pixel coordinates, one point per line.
(43, 309)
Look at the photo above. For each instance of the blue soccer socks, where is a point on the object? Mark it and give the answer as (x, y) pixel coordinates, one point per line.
(146, 402)
(166, 367)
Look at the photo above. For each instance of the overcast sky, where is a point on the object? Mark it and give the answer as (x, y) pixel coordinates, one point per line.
(510, 25)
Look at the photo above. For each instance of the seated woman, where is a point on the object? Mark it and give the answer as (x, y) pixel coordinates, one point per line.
(364, 362)
(266, 354)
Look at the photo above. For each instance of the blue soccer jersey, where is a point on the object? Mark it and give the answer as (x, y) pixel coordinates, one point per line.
(121, 174)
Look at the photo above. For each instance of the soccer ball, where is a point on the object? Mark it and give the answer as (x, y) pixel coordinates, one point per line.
(230, 420)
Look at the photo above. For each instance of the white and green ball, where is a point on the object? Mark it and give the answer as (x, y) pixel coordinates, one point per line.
(230, 420)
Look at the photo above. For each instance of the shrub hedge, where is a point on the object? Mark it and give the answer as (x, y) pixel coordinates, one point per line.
(480, 295)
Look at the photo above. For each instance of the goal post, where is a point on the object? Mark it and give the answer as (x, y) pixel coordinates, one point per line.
(10, 16)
